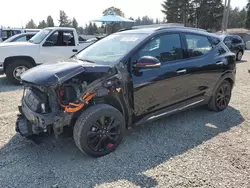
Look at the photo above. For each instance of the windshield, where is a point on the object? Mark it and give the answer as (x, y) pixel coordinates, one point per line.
(38, 38)
(111, 48)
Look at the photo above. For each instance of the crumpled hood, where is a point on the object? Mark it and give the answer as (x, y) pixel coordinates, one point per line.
(52, 74)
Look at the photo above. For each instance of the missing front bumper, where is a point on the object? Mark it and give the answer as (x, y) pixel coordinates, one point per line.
(31, 123)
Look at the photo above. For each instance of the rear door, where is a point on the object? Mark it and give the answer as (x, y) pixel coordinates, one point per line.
(205, 64)
(59, 45)
(229, 43)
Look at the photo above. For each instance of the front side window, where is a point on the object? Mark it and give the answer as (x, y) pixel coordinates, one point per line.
(165, 48)
(21, 39)
(68, 38)
(197, 45)
(60, 38)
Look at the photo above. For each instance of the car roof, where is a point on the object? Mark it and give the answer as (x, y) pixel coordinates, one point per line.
(24, 34)
(60, 28)
(227, 35)
(152, 30)
(28, 33)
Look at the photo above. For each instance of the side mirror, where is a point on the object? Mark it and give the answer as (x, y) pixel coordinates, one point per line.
(147, 62)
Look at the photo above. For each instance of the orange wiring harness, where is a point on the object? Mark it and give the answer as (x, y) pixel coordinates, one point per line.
(72, 107)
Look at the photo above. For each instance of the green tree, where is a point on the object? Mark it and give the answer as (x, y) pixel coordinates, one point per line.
(178, 11)
(247, 23)
(80, 30)
(90, 30)
(205, 14)
(74, 23)
(31, 25)
(237, 18)
(42, 25)
(208, 13)
(157, 21)
(64, 20)
(113, 27)
(117, 11)
(50, 22)
(95, 29)
(173, 11)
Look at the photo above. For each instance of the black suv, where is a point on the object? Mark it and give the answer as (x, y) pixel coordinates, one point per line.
(126, 79)
(236, 44)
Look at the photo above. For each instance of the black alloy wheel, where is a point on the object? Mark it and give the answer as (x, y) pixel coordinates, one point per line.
(221, 97)
(99, 130)
(104, 134)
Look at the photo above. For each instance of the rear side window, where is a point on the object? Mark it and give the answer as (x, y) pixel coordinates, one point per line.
(227, 39)
(215, 41)
(236, 40)
(197, 45)
(221, 50)
(165, 47)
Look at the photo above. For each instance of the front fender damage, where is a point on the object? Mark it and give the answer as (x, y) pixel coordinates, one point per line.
(108, 86)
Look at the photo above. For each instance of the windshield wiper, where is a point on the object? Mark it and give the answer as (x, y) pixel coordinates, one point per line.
(86, 60)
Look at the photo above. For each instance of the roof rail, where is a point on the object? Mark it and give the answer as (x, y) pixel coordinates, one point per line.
(190, 28)
(158, 25)
(153, 26)
(163, 26)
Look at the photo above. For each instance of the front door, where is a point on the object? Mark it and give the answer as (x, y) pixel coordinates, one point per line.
(155, 89)
(59, 45)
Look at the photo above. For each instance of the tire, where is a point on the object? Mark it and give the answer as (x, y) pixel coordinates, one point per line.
(13, 67)
(217, 102)
(88, 130)
(239, 55)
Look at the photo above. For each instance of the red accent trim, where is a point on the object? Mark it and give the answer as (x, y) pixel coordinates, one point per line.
(61, 93)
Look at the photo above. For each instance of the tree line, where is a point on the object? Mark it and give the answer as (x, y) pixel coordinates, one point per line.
(205, 14)
(64, 21)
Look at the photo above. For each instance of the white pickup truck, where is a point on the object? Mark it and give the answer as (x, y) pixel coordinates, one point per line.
(48, 45)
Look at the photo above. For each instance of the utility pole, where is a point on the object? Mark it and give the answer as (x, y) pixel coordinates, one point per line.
(225, 15)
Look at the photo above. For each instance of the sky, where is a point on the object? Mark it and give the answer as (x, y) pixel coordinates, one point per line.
(17, 13)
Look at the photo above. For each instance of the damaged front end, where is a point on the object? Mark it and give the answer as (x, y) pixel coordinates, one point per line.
(54, 95)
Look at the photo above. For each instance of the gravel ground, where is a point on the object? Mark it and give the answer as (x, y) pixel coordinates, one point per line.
(196, 148)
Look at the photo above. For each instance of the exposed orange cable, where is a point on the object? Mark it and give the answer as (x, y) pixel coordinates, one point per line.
(72, 107)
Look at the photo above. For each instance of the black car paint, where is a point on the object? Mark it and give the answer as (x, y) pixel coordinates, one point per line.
(235, 47)
(143, 96)
(202, 72)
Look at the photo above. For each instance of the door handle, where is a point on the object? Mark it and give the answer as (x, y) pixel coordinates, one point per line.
(75, 50)
(182, 71)
(220, 63)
